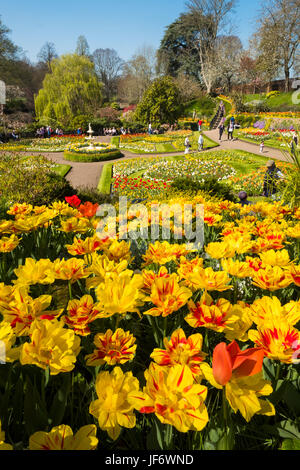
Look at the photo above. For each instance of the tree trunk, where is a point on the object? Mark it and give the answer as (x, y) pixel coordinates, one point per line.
(287, 79)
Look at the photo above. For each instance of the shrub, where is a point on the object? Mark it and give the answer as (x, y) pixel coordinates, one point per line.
(272, 93)
(210, 185)
(93, 195)
(15, 105)
(81, 121)
(31, 180)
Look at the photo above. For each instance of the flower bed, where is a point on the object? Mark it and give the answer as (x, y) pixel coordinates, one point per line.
(53, 144)
(140, 346)
(196, 169)
(253, 182)
(276, 138)
(165, 143)
(91, 152)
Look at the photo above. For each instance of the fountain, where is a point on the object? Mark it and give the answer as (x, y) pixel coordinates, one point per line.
(90, 132)
(90, 137)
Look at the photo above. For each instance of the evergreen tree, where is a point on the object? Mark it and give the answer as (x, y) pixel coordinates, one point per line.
(161, 103)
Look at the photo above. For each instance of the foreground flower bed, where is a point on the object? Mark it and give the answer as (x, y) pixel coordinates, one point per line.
(112, 344)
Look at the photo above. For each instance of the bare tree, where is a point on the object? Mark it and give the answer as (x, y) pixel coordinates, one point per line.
(108, 67)
(82, 47)
(138, 74)
(211, 20)
(278, 34)
(47, 54)
(229, 50)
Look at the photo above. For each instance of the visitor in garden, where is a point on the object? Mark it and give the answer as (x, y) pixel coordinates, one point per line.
(200, 142)
(187, 145)
(243, 197)
(14, 135)
(150, 129)
(230, 129)
(199, 125)
(222, 109)
(261, 147)
(272, 176)
(294, 144)
(221, 130)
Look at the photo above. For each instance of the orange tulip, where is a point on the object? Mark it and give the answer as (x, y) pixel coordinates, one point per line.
(229, 360)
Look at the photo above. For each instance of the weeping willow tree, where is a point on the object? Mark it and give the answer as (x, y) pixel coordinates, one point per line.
(71, 89)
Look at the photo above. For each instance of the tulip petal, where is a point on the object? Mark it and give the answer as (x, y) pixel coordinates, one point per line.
(221, 364)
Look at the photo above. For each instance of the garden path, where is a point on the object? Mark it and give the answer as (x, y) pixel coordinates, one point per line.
(88, 174)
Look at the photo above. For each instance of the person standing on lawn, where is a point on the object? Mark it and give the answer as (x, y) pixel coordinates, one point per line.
(272, 176)
(200, 142)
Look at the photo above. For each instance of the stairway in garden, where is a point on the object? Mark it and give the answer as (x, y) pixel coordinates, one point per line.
(216, 119)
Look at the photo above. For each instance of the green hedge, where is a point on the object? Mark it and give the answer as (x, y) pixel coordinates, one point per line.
(88, 158)
(115, 141)
(105, 179)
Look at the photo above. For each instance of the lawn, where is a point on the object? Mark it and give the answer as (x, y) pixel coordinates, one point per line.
(281, 102)
(154, 174)
(171, 145)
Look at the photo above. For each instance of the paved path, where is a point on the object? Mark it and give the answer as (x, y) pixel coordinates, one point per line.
(88, 174)
(269, 152)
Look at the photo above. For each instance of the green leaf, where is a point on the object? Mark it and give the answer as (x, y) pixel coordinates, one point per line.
(288, 429)
(35, 413)
(59, 403)
(290, 444)
(154, 438)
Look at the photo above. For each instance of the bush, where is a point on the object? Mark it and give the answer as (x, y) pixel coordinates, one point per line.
(272, 93)
(258, 106)
(15, 105)
(92, 157)
(238, 101)
(28, 131)
(93, 195)
(210, 185)
(31, 180)
(81, 121)
(135, 127)
(188, 125)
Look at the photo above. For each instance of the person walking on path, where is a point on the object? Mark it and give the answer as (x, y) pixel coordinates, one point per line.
(199, 125)
(200, 142)
(261, 147)
(230, 130)
(222, 108)
(272, 176)
(187, 145)
(221, 130)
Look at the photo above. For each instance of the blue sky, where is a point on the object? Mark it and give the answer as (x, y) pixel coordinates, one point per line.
(124, 25)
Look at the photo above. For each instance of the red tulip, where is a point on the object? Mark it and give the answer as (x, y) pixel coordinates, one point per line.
(229, 360)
